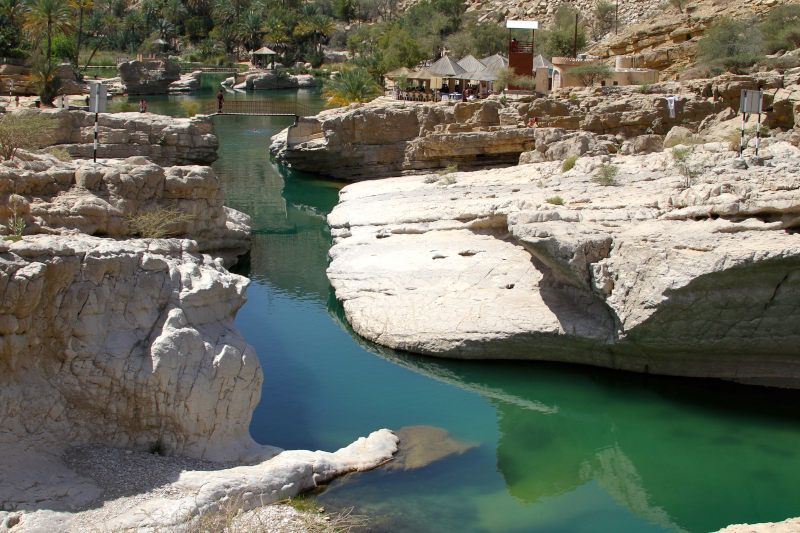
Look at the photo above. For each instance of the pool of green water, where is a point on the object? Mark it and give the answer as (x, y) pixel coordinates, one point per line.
(557, 448)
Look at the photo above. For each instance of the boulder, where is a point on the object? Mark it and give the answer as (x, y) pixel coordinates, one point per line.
(152, 76)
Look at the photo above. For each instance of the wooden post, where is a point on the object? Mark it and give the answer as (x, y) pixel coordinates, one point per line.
(575, 39)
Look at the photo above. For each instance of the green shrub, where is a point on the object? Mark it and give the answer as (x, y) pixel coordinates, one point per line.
(569, 163)
(731, 44)
(606, 175)
(781, 28)
(591, 73)
(555, 200)
(16, 223)
(645, 88)
(680, 156)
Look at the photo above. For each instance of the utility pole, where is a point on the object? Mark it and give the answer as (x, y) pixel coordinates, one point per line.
(575, 38)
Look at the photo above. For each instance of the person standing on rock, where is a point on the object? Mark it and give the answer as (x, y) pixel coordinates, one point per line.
(220, 100)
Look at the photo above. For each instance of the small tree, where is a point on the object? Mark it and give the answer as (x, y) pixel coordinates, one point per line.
(23, 131)
(591, 73)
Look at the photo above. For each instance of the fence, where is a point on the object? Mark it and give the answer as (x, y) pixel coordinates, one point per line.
(288, 108)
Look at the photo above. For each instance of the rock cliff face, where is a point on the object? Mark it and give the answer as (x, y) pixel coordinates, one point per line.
(148, 77)
(649, 275)
(129, 343)
(164, 140)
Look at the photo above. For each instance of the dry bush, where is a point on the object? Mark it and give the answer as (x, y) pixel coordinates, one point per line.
(23, 131)
(606, 175)
(158, 223)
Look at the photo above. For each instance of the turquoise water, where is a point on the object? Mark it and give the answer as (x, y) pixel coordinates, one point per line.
(557, 448)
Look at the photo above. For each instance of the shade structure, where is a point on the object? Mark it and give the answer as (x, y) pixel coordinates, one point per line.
(470, 64)
(397, 73)
(421, 74)
(446, 67)
(263, 51)
(480, 75)
(495, 63)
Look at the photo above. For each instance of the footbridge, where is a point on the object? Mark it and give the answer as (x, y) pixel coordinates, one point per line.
(259, 108)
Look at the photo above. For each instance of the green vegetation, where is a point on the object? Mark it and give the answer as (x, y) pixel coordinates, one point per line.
(22, 132)
(569, 163)
(781, 28)
(560, 39)
(731, 44)
(350, 86)
(591, 73)
(16, 223)
(681, 156)
(555, 200)
(603, 19)
(606, 175)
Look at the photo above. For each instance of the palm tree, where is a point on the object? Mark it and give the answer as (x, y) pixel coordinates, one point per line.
(80, 6)
(44, 18)
(11, 10)
(350, 86)
(318, 27)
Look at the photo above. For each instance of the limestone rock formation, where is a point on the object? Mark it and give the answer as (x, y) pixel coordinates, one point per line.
(128, 343)
(648, 274)
(274, 79)
(164, 140)
(105, 199)
(152, 76)
(187, 83)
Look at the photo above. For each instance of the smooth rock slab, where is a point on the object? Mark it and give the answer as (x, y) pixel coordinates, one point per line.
(532, 263)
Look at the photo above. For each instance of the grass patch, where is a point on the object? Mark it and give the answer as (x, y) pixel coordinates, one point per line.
(569, 163)
(555, 200)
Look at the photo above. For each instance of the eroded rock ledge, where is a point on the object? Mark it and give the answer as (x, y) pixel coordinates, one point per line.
(102, 199)
(162, 139)
(648, 275)
(110, 340)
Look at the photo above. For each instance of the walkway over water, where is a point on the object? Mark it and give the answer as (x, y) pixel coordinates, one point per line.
(267, 108)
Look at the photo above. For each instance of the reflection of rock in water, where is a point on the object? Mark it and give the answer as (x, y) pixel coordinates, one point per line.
(423, 445)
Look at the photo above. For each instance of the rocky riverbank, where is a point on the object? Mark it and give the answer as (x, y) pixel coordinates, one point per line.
(650, 273)
(270, 79)
(388, 138)
(111, 337)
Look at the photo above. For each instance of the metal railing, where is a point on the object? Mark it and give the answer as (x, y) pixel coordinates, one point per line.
(216, 70)
(275, 108)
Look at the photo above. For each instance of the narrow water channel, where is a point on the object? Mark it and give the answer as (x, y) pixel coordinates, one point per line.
(555, 447)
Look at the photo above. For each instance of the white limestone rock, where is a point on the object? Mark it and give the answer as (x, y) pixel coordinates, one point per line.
(647, 275)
